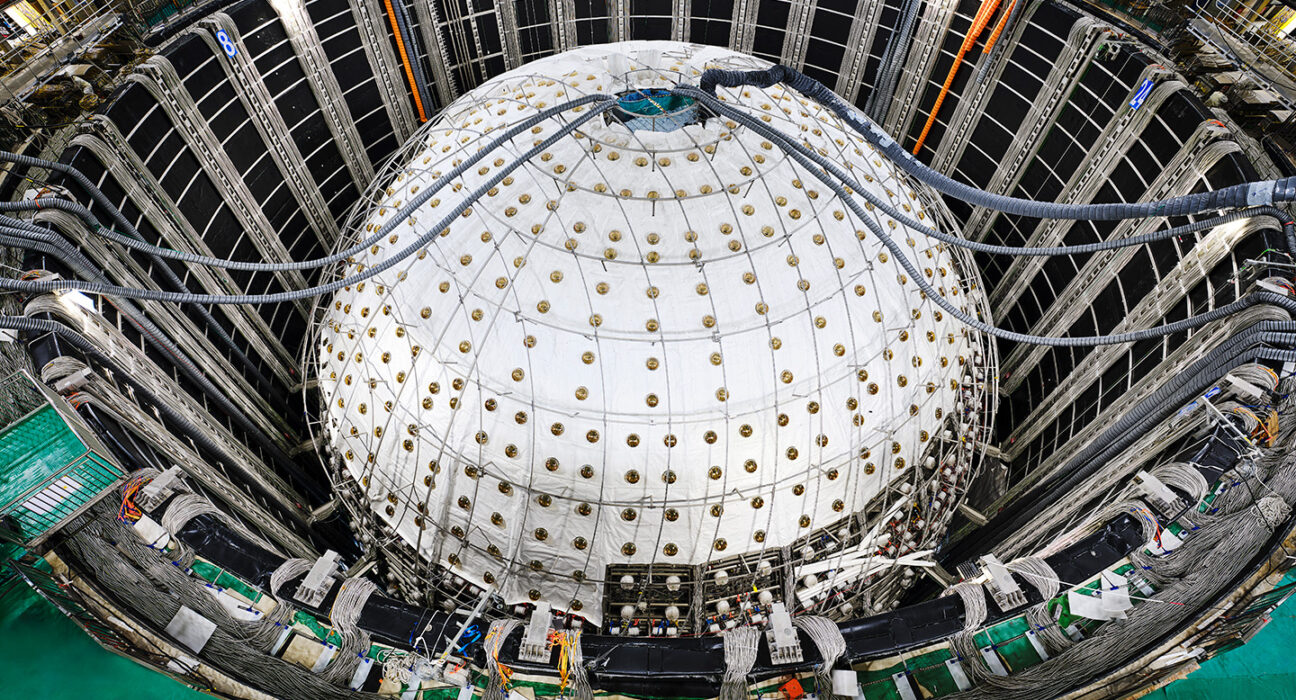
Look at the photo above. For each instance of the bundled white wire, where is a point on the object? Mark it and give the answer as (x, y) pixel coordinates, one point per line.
(580, 681)
(499, 631)
(355, 641)
(1039, 574)
(274, 622)
(1184, 477)
(740, 647)
(152, 588)
(828, 639)
(287, 571)
(1217, 561)
(188, 506)
(1257, 374)
(963, 643)
(397, 668)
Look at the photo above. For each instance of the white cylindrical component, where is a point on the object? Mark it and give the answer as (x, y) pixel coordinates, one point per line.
(627, 612)
(764, 568)
(807, 552)
(722, 607)
(721, 577)
(765, 597)
(672, 583)
(847, 608)
(810, 581)
(627, 582)
(672, 613)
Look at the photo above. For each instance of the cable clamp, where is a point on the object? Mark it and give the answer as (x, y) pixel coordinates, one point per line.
(784, 645)
(1003, 589)
(535, 641)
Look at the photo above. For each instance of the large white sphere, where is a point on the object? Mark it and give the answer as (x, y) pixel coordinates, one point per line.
(640, 346)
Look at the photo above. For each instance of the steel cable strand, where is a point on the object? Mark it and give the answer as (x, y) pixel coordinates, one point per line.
(1284, 218)
(828, 639)
(315, 290)
(398, 217)
(1264, 192)
(83, 345)
(740, 647)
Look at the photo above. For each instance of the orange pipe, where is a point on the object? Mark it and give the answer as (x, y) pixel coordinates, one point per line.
(1003, 21)
(983, 15)
(409, 71)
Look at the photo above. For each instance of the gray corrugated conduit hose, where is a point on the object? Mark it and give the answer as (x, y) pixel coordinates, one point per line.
(787, 142)
(1248, 194)
(999, 47)
(1078, 341)
(293, 295)
(400, 216)
(892, 61)
(47, 242)
(167, 273)
(410, 40)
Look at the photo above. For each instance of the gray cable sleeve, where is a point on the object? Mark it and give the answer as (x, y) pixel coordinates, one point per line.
(416, 66)
(1283, 190)
(167, 273)
(935, 297)
(1284, 218)
(50, 243)
(293, 295)
(397, 218)
(1237, 350)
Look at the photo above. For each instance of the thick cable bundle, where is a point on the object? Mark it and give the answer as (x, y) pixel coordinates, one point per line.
(963, 643)
(1244, 532)
(143, 593)
(740, 646)
(579, 676)
(355, 641)
(188, 506)
(1184, 477)
(287, 571)
(1039, 574)
(497, 675)
(827, 638)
